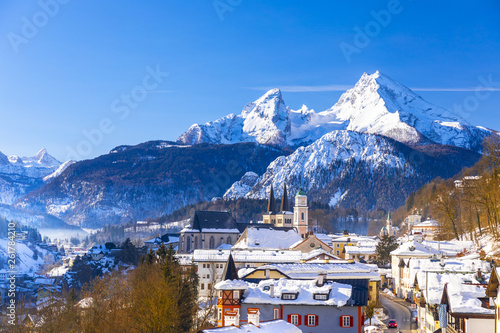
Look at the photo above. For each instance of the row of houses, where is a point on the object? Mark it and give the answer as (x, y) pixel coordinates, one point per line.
(313, 297)
(449, 285)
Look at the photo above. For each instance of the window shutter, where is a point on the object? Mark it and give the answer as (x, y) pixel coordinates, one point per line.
(351, 321)
(341, 321)
(300, 319)
(289, 318)
(316, 321)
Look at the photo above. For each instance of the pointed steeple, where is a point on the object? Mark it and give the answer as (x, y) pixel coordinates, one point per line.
(284, 200)
(230, 271)
(271, 203)
(389, 219)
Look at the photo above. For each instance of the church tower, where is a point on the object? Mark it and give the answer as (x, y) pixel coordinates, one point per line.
(301, 213)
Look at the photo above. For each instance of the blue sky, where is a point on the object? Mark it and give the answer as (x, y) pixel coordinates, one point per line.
(66, 70)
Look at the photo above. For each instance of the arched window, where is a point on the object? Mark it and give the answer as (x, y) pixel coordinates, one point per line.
(212, 243)
(195, 243)
(188, 244)
(303, 216)
(228, 241)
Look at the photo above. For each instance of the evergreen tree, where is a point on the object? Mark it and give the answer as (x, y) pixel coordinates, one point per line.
(385, 246)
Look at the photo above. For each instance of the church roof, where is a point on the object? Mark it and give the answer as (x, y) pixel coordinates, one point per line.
(301, 192)
(230, 271)
(284, 200)
(213, 220)
(271, 202)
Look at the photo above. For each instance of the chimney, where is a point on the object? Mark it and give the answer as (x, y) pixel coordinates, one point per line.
(254, 317)
(271, 290)
(479, 274)
(321, 279)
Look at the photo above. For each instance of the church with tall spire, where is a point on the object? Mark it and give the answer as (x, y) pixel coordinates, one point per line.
(282, 217)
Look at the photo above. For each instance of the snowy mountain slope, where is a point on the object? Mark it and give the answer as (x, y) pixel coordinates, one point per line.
(21, 175)
(24, 256)
(375, 105)
(357, 169)
(59, 170)
(145, 181)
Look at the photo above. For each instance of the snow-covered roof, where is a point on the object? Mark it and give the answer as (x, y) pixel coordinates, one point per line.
(317, 252)
(426, 224)
(264, 327)
(414, 249)
(455, 265)
(231, 285)
(463, 298)
(266, 238)
(338, 270)
(338, 293)
(360, 249)
(452, 247)
(250, 256)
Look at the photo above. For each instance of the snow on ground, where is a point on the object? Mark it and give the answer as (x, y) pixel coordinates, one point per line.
(274, 326)
(24, 257)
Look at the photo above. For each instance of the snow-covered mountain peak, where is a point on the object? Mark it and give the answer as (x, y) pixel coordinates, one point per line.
(380, 105)
(376, 104)
(270, 105)
(44, 158)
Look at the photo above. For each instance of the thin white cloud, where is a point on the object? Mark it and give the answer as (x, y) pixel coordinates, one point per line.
(342, 87)
(457, 89)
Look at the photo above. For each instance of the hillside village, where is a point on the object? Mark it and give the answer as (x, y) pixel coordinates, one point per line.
(285, 274)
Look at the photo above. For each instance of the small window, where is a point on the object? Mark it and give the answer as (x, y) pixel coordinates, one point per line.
(202, 286)
(294, 319)
(311, 320)
(289, 296)
(209, 286)
(236, 294)
(321, 297)
(208, 265)
(346, 321)
(219, 314)
(276, 313)
(204, 265)
(266, 288)
(338, 252)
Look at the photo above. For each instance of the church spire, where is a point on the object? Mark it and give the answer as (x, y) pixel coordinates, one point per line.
(271, 203)
(230, 272)
(284, 200)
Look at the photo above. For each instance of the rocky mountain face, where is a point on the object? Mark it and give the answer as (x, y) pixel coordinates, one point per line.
(353, 169)
(145, 181)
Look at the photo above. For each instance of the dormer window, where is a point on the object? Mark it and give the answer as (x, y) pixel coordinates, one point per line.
(266, 288)
(321, 297)
(236, 294)
(289, 296)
